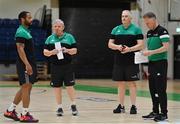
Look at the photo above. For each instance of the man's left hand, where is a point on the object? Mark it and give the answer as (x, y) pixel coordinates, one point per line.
(126, 49)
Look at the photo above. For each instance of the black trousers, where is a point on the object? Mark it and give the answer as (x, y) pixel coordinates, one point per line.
(158, 84)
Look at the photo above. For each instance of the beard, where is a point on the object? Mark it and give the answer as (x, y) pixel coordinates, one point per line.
(27, 23)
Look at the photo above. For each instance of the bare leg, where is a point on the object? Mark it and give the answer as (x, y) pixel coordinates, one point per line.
(132, 88)
(71, 93)
(18, 97)
(58, 95)
(26, 89)
(121, 92)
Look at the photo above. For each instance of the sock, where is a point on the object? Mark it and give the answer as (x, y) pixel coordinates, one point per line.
(12, 107)
(121, 104)
(24, 111)
(73, 103)
(60, 106)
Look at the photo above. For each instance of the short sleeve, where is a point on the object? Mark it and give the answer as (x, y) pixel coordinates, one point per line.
(73, 41)
(113, 33)
(164, 35)
(20, 40)
(47, 40)
(46, 45)
(139, 34)
(23, 34)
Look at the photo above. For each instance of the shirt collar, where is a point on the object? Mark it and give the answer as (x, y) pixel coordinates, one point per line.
(25, 28)
(59, 37)
(127, 27)
(156, 28)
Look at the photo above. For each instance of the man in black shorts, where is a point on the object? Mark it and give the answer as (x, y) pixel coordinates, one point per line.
(26, 69)
(157, 44)
(61, 69)
(125, 40)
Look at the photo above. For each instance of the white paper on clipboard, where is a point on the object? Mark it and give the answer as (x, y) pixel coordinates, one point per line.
(140, 58)
(60, 53)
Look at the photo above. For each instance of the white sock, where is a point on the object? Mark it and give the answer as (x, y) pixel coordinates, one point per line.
(24, 111)
(12, 107)
(73, 103)
(60, 106)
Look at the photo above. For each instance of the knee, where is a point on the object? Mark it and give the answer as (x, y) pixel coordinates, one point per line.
(69, 87)
(132, 84)
(121, 84)
(27, 86)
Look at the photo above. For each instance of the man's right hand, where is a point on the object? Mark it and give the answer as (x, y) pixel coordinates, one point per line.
(29, 70)
(120, 48)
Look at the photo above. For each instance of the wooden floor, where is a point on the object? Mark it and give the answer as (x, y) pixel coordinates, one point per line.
(93, 107)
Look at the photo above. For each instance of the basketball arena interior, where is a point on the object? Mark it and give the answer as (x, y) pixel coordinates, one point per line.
(90, 22)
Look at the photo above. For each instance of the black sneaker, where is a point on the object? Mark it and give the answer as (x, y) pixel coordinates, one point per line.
(74, 110)
(133, 110)
(119, 109)
(151, 115)
(60, 112)
(161, 117)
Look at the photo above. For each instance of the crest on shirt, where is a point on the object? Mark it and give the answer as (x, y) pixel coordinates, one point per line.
(165, 31)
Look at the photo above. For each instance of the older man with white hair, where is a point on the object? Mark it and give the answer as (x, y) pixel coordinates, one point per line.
(125, 40)
(61, 68)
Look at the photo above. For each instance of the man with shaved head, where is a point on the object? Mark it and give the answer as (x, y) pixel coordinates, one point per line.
(61, 69)
(125, 39)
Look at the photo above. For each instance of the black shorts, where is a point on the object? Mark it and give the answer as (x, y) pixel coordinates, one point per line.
(125, 72)
(62, 75)
(23, 78)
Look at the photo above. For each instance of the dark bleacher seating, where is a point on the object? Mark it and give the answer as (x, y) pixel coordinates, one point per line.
(35, 23)
(8, 29)
(15, 23)
(1, 21)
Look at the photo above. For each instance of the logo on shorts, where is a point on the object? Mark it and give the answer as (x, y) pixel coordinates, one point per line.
(135, 76)
(119, 31)
(51, 83)
(158, 74)
(156, 95)
(72, 81)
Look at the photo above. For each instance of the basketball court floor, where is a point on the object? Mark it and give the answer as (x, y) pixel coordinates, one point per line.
(95, 101)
